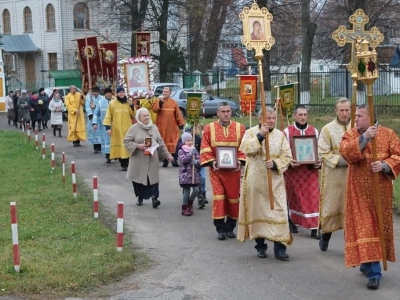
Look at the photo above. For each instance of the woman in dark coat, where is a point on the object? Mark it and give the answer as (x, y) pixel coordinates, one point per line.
(44, 105)
(35, 110)
(15, 100)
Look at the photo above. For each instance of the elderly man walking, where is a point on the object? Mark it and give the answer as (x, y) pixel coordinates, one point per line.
(256, 219)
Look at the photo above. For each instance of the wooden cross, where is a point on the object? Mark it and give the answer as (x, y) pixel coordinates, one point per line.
(356, 35)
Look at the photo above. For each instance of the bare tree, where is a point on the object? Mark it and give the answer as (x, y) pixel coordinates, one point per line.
(308, 33)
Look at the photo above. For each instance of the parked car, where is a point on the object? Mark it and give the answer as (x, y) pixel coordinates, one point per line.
(210, 103)
(63, 90)
(157, 88)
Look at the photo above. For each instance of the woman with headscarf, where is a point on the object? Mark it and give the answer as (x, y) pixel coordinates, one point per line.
(56, 108)
(143, 168)
(24, 116)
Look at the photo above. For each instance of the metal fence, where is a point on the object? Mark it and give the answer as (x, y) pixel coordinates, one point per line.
(325, 88)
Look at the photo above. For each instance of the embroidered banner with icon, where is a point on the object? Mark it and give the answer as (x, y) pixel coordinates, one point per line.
(89, 49)
(109, 56)
(193, 106)
(286, 95)
(248, 93)
(142, 44)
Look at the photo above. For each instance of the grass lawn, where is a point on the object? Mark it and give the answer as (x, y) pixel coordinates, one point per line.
(64, 250)
(319, 121)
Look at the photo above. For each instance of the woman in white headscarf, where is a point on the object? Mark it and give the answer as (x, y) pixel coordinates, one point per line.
(143, 168)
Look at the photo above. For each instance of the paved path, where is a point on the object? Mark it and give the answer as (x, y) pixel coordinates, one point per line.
(190, 263)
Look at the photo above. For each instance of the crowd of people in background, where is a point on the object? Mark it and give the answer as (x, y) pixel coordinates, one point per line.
(28, 108)
(274, 196)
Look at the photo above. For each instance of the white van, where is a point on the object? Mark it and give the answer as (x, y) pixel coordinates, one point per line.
(63, 90)
(157, 88)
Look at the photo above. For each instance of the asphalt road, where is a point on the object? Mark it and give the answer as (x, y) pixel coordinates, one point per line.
(190, 263)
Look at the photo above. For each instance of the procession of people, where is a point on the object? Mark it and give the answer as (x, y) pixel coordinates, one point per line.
(334, 192)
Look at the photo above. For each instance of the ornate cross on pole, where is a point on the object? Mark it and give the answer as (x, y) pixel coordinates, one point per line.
(355, 36)
(257, 36)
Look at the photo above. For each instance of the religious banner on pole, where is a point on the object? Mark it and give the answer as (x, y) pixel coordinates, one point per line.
(109, 53)
(286, 95)
(248, 93)
(142, 44)
(89, 50)
(193, 106)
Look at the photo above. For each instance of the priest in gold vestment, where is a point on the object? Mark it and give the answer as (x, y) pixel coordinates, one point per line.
(256, 219)
(117, 121)
(74, 102)
(333, 173)
(361, 233)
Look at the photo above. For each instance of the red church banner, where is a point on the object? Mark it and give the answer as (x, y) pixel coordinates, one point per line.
(248, 93)
(239, 57)
(142, 44)
(90, 59)
(109, 54)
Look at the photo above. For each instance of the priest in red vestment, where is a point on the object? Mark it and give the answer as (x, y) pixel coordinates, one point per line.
(361, 233)
(225, 182)
(302, 185)
(169, 120)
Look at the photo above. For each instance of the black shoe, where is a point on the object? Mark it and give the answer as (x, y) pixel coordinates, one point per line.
(221, 236)
(108, 161)
(165, 164)
(281, 255)
(293, 228)
(205, 201)
(231, 234)
(315, 234)
(201, 204)
(124, 168)
(262, 253)
(96, 151)
(373, 284)
(155, 202)
(363, 271)
(175, 164)
(323, 245)
(139, 202)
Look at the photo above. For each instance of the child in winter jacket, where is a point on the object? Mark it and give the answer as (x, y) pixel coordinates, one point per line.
(188, 173)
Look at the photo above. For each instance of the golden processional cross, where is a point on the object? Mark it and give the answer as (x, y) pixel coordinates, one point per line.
(355, 36)
(257, 36)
